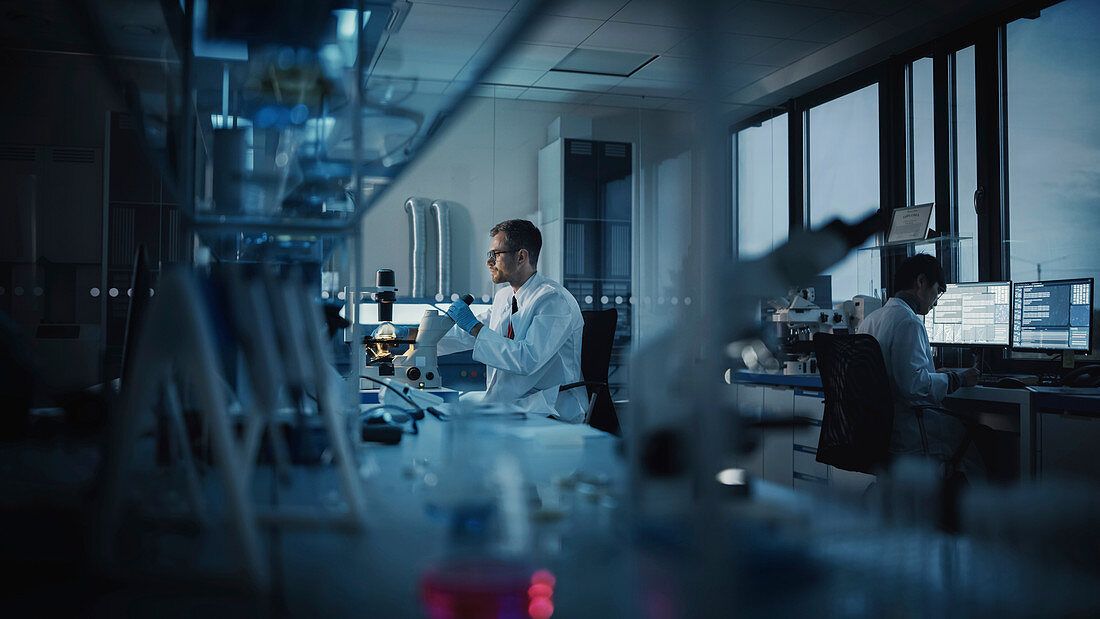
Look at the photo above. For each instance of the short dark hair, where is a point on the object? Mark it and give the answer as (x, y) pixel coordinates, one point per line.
(910, 268)
(521, 234)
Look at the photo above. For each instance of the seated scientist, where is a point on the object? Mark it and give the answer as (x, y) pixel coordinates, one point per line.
(914, 381)
(530, 339)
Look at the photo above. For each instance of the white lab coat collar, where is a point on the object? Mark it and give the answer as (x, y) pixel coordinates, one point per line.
(900, 303)
(524, 293)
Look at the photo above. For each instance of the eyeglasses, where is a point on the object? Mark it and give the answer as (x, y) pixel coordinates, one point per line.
(493, 253)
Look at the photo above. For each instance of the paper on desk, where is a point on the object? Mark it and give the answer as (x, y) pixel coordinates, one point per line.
(526, 426)
(458, 409)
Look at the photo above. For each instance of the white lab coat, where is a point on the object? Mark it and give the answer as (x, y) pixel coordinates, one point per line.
(914, 382)
(544, 355)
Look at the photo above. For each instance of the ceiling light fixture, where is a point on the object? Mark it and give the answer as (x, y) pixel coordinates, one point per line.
(603, 62)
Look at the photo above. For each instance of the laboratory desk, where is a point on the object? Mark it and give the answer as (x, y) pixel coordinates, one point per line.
(370, 396)
(1055, 425)
(427, 499)
(787, 553)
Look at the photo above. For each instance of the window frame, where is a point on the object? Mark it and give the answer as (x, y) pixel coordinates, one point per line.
(732, 146)
(988, 37)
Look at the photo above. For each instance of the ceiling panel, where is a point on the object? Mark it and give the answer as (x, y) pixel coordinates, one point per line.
(731, 48)
(508, 92)
(515, 77)
(771, 20)
(636, 37)
(653, 103)
(654, 12)
(422, 70)
(555, 30)
(533, 56)
(670, 69)
(496, 5)
(614, 100)
(785, 52)
(836, 27)
(560, 96)
(455, 48)
(639, 86)
(436, 18)
(381, 85)
(679, 105)
(741, 75)
(588, 9)
(877, 7)
(480, 90)
(836, 5)
(578, 81)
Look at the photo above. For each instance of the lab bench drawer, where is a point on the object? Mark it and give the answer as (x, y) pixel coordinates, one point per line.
(750, 401)
(810, 404)
(804, 461)
(810, 435)
(849, 483)
(810, 483)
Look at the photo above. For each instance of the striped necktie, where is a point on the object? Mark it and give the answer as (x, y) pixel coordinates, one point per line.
(511, 331)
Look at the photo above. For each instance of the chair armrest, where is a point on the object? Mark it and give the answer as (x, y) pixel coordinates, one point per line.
(583, 383)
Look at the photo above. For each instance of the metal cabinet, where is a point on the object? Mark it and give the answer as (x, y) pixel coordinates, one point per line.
(789, 457)
(585, 212)
(750, 404)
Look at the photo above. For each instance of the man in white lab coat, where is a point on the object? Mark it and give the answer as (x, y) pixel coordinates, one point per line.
(530, 339)
(899, 328)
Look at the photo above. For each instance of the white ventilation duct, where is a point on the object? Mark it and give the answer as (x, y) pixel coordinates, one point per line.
(417, 208)
(442, 211)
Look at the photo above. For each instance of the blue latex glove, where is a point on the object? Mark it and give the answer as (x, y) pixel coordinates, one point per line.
(460, 312)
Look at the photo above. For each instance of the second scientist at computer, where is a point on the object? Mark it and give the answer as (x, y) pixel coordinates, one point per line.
(899, 328)
(530, 339)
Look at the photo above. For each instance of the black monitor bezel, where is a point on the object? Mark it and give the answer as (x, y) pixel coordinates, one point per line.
(1011, 291)
(1092, 295)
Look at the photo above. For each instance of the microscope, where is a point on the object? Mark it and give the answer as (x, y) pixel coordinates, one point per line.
(797, 318)
(419, 365)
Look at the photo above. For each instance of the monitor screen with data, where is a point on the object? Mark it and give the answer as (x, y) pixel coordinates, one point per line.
(972, 315)
(1052, 315)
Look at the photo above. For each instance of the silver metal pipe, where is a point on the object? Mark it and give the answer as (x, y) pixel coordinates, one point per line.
(442, 211)
(417, 208)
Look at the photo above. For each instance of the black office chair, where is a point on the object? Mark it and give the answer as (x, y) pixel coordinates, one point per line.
(859, 408)
(596, 344)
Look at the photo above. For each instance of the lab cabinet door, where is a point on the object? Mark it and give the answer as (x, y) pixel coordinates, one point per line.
(1067, 448)
(750, 405)
(778, 404)
(807, 472)
(581, 189)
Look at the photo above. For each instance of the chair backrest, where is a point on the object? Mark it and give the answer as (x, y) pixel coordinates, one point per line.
(596, 344)
(859, 407)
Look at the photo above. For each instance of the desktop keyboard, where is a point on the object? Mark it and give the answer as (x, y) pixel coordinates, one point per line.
(991, 380)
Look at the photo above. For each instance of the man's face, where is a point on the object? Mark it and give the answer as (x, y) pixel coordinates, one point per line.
(927, 293)
(503, 265)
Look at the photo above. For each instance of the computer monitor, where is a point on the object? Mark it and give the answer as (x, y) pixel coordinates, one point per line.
(1052, 315)
(978, 314)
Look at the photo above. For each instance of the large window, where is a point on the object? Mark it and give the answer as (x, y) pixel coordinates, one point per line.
(921, 137)
(1054, 143)
(760, 154)
(843, 180)
(964, 115)
(920, 142)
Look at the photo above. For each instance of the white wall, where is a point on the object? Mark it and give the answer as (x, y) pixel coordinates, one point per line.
(486, 163)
